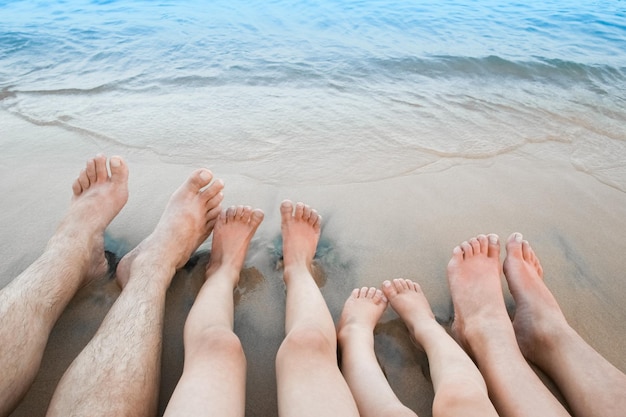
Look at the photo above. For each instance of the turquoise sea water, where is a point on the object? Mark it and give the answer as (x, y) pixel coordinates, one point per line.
(328, 91)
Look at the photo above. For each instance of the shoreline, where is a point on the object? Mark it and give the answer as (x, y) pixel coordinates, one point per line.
(397, 227)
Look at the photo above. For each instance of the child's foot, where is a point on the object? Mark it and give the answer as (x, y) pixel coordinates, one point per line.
(361, 312)
(408, 300)
(301, 232)
(232, 234)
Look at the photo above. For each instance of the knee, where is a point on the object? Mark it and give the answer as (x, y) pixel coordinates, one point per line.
(306, 340)
(215, 342)
(459, 396)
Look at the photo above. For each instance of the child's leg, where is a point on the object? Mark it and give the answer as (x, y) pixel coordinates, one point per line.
(366, 380)
(214, 377)
(308, 377)
(459, 386)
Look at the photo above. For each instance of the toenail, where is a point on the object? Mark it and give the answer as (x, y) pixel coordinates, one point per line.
(204, 176)
(115, 162)
(518, 237)
(493, 239)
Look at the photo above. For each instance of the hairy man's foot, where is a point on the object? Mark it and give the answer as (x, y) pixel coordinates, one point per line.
(187, 221)
(538, 317)
(361, 312)
(474, 280)
(97, 198)
(232, 234)
(301, 231)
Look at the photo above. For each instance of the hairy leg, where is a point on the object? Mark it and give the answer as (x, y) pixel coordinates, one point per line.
(308, 377)
(482, 326)
(459, 387)
(118, 371)
(31, 304)
(355, 334)
(590, 384)
(214, 376)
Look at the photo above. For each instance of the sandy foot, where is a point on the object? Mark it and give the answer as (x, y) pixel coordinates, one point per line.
(362, 310)
(187, 221)
(97, 198)
(474, 280)
(232, 234)
(301, 231)
(537, 313)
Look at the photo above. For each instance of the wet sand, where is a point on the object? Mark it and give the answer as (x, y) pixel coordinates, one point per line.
(398, 227)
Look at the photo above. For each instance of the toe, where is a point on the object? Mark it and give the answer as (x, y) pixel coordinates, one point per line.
(299, 211)
(119, 169)
(198, 179)
(514, 245)
(101, 168)
(468, 251)
(493, 246)
(90, 171)
(286, 210)
(389, 289)
(256, 217)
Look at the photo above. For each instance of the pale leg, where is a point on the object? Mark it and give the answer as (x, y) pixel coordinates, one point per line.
(214, 376)
(308, 377)
(31, 304)
(482, 326)
(355, 334)
(590, 384)
(459, 387)
(117, 373)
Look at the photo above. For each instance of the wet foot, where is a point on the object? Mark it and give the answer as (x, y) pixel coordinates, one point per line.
(187, 221)
(300, 228)
(474, 281)
(232, 234)
(97, 198)
(408, 300)
(538, 317)
(361, 312)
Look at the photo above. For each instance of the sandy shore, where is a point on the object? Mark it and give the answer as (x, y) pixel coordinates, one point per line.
(399, 227)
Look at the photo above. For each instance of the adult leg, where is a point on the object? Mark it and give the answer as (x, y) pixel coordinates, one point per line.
(308, 377)
(459, 387)
(31, 304)
(482, 326)
(117, 373)
(590, 384)
(214, 376)
(355, 334)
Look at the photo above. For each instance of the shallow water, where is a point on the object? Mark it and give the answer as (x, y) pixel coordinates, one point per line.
(374, 89)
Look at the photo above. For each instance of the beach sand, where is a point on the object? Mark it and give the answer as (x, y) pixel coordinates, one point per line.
(398, 227)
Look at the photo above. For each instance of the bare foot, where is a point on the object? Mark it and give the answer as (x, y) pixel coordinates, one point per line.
(98, 198)
(538, 316)
(232, 234)
(361, 311)
(186, 222)
(474, 280)
(408, 300)
(301, 232)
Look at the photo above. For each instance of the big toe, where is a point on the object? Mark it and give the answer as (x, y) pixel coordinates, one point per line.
(286, 209)
(256, 217)
(514, 245)
(119, 170)
(198, 179)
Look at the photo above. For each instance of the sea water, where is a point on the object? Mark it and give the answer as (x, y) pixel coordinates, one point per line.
(325, 92)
